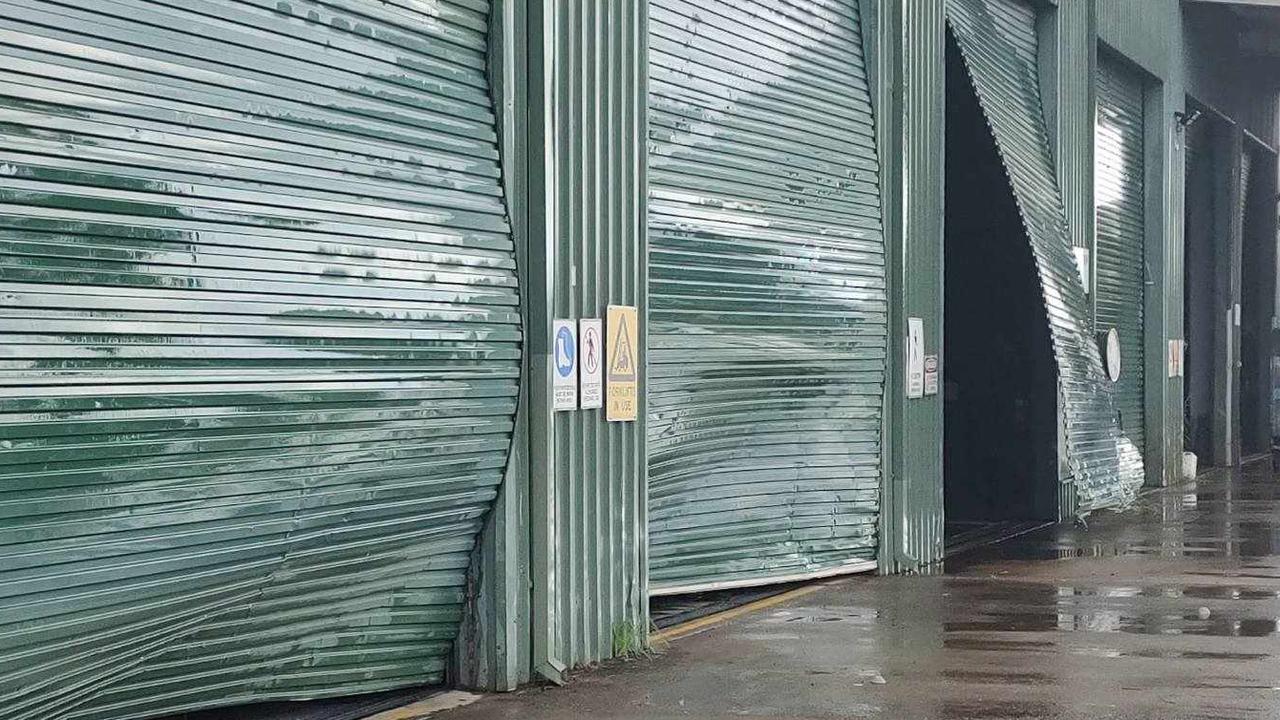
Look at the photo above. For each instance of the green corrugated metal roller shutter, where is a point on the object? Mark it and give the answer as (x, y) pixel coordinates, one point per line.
(260, 348)
(1119, 194)
(767, 292)
(998, 41)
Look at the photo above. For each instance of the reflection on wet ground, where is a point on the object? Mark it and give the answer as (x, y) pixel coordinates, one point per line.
(1168, 610)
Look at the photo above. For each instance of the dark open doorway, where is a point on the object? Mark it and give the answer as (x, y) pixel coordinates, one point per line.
(1229, 290)
(1257, 295)
(1201, 285)
(1000, 404)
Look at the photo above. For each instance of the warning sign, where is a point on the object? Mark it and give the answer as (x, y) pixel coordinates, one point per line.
(622, 370)
(591, 365)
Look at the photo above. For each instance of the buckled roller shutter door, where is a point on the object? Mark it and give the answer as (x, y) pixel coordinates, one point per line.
(1119, 168)
(767, 294)
(260, 348)
(997, 39)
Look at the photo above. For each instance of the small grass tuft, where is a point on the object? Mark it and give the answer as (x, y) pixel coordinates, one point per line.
(629, 640)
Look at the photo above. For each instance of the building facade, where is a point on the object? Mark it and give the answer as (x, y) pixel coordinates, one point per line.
(288, 411)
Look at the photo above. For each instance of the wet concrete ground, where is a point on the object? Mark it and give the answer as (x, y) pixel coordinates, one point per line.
(1170, 610)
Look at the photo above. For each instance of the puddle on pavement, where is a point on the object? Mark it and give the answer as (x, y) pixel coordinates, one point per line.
(996, 710)
(980, 677)
(829, 614)
(1103, 621)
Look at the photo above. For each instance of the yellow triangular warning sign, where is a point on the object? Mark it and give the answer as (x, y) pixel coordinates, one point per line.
(622, 400)
(622, 366)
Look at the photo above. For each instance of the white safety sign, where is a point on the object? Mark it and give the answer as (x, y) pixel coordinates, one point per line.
(930, 374)
(564, 365)
(915, 357)
(1176, 360)
(590, 353)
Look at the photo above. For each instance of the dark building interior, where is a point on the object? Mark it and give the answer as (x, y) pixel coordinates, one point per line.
(1000, 390)
(1257, 293)
(1200, 280)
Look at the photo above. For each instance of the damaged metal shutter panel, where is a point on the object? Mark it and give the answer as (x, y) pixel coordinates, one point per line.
(1120, 200)
(997, 39)
(261, 344)
(767, 290)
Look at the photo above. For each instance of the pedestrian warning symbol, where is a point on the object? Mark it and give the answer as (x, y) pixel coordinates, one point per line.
(622, 372)
(591, 370)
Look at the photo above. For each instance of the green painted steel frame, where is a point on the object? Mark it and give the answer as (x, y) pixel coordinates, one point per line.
(493, 651)
(905, 50)
(560, 576)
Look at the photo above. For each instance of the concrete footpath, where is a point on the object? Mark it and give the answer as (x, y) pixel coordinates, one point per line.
(1169, 610)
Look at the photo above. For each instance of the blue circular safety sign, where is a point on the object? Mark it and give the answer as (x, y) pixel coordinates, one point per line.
(564, 352)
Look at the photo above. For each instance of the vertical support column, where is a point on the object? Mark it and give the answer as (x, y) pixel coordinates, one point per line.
(1227, 258)
(1050, 44)
(493, 648)
(1165, 249)
(541, 282)
(1162, 396)
(1173, 100)
(910, 52)
(587, 122)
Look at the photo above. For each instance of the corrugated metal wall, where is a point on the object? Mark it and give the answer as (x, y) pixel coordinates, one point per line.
(1120, 278)
(908, 52)
(767, 277)
(998, 41)
(493, 649)
(1140, 29)
(587, 176)
(261, 349)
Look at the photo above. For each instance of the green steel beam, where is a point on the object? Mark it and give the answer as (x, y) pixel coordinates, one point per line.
(540, 270)
(493, 650)
(909, 55)
(1226, 379)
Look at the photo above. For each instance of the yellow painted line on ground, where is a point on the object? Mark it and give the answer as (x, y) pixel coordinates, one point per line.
(426, 708)
(675, 632)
